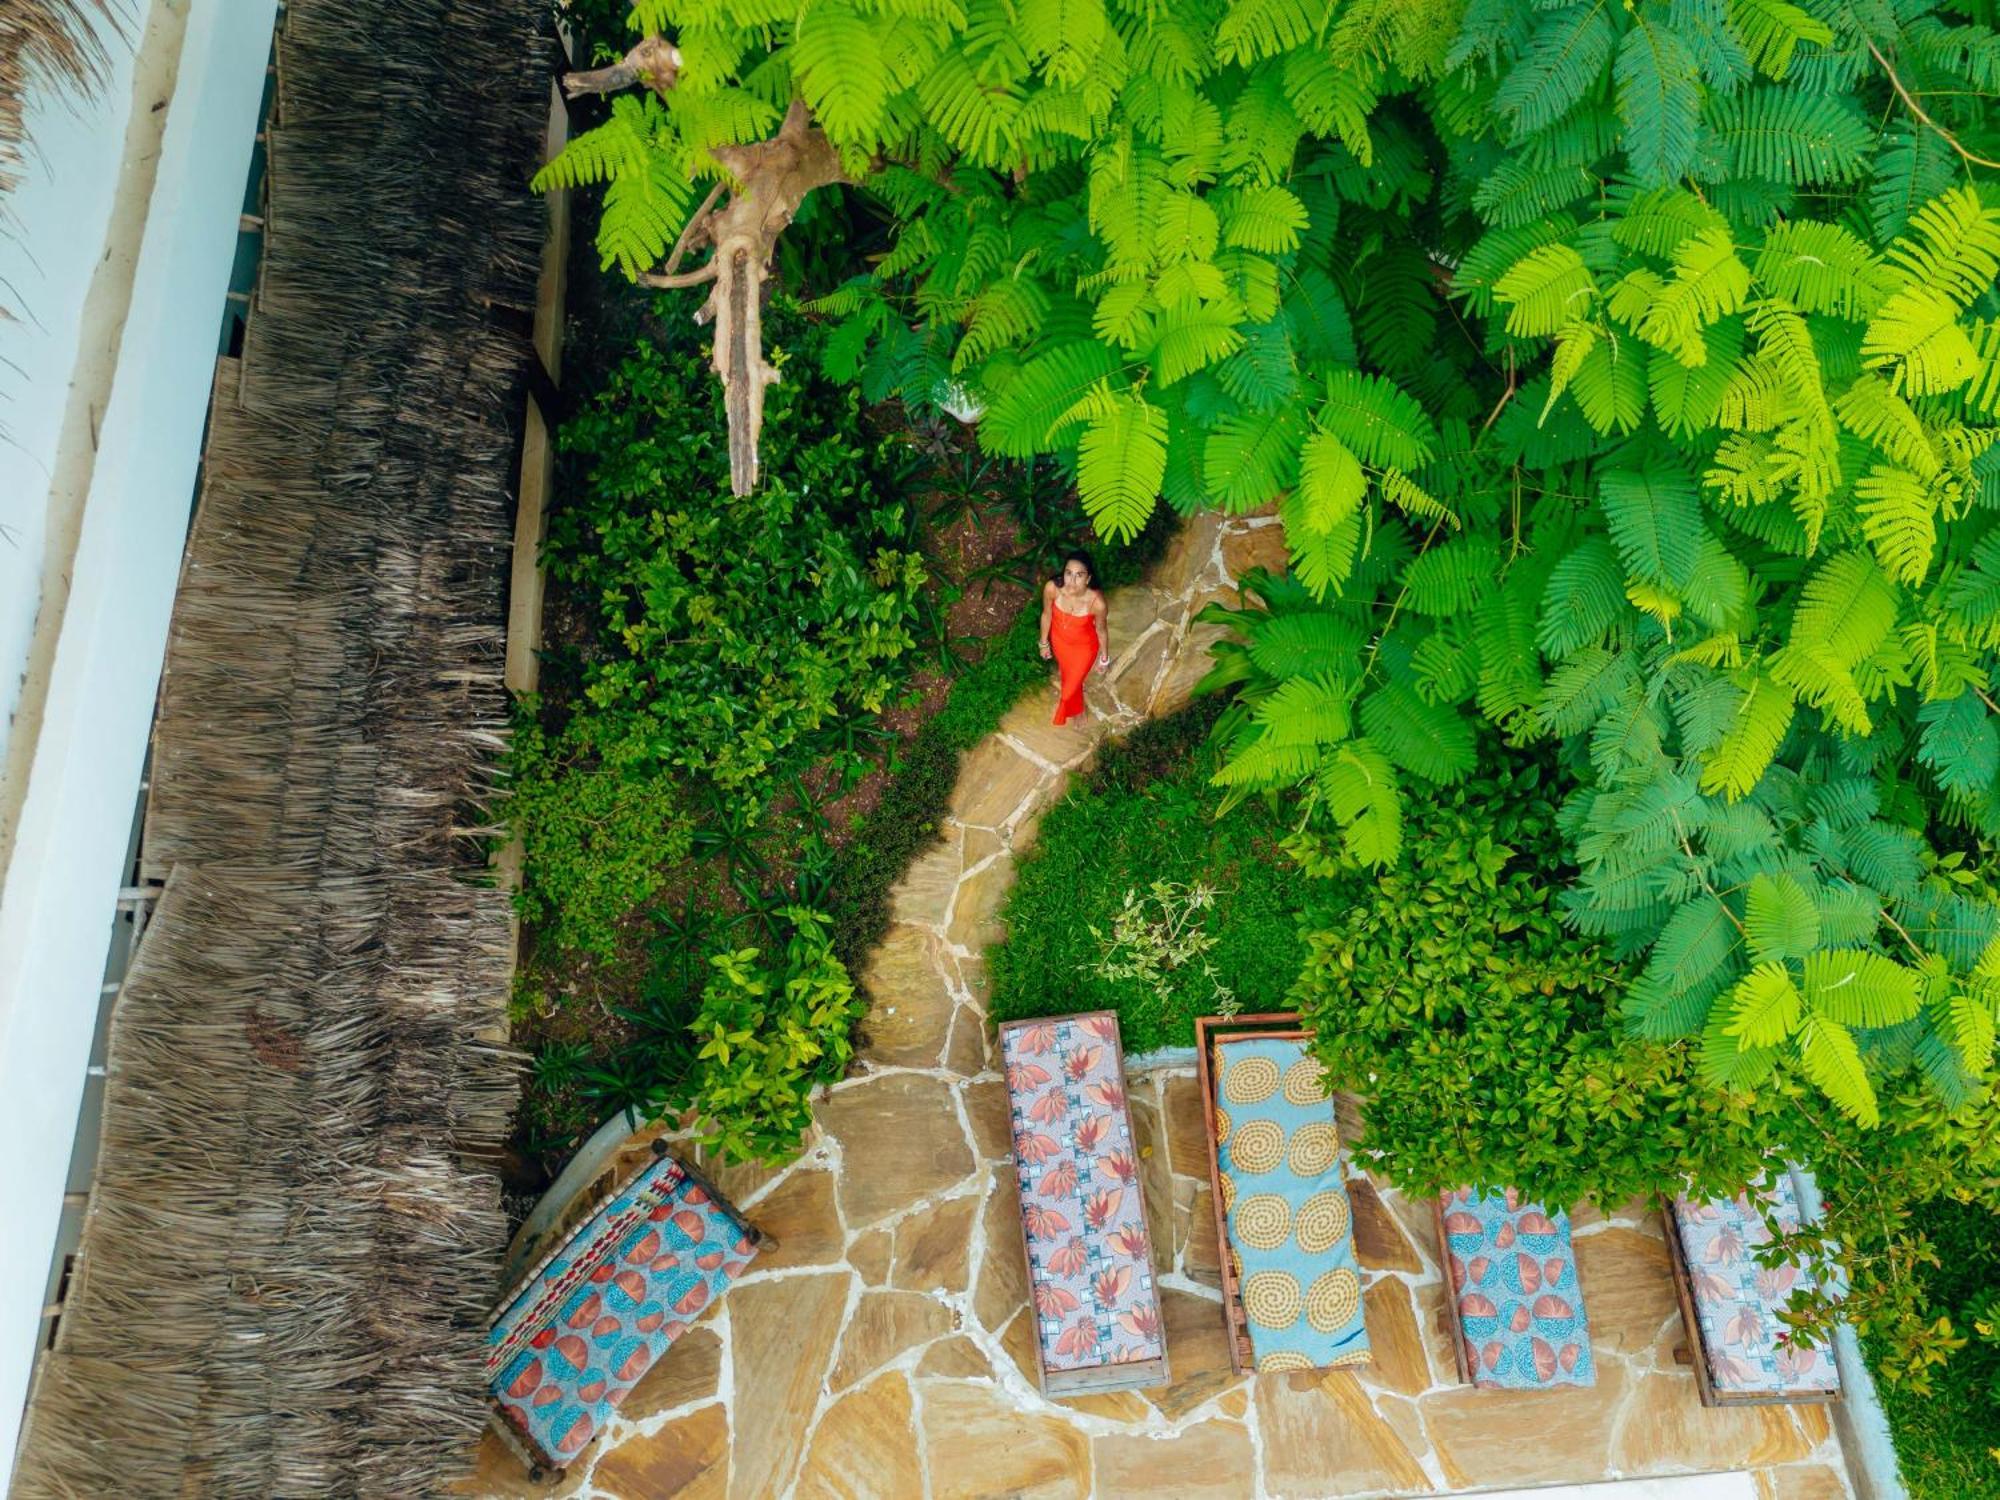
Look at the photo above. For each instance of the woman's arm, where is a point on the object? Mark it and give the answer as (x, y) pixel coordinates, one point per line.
(1097, 608)
(1048, 604)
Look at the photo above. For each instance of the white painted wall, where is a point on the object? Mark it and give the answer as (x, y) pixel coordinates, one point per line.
(75, 811)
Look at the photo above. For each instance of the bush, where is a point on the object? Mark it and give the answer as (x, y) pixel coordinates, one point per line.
(595, 835)
(1485, 1034)
(767, 1037)
(1947, 1427)
(729, 628)
(1145, 813)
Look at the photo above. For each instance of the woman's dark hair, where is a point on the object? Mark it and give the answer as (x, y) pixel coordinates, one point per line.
(1076, 555)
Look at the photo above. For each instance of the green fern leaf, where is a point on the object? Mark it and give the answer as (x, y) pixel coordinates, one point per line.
(1566, 55)
(1737, 764)
(1788, 136)
(1584, 598)
(838, 64)
(1953, 246)
(1120, 463)
(1545, 289)
(1780, 921)
(1966, 1022)
(1831, 1060)
(1898, 516)
(1659, 99)
(1428, 740)
(1193, 338)
(1251, 456)
(1655, 518)
(1822, 268)
(1959, 743)
(1859, 988)
(1917, 338)
(1773, 29)
(1377, 421)
(1358, 786)
(1764, 1007)
(1040, 403)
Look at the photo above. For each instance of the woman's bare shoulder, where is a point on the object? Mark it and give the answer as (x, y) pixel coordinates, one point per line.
(1097, 603)
(1048, 588)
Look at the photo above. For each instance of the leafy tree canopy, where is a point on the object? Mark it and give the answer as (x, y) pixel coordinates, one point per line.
(1626, 377)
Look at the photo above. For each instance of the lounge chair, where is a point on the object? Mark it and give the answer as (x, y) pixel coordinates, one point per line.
(1291, 1285)
(1083, 1221)
(594, 1315)
(1515, 1309)
(1731, 1304)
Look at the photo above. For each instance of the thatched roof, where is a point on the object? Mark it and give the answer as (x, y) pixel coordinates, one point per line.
(45, 44)
(293, 1239)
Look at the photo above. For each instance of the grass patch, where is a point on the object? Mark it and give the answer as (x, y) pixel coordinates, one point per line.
(1945, 1438)
(1145, 812)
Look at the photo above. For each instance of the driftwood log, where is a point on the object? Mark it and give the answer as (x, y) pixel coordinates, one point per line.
(768, 181)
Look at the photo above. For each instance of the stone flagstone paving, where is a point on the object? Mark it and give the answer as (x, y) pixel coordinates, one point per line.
(884, 1350)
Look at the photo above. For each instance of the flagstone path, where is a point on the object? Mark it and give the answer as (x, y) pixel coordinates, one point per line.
(884, 1349)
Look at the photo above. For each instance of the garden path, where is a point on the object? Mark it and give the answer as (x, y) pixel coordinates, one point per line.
(885, 1348)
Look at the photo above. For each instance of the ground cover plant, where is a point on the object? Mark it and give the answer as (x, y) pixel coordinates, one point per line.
(1947, 1423)
(1627, 379)
(1145, 814)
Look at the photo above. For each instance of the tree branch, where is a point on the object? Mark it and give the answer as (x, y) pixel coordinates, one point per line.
(1921, 113)
(655, 62)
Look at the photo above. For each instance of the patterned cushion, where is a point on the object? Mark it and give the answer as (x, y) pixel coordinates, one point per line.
(1089, 1266)
(607, 1305)
(1291, 1227)
(1737, 1301)
(1513, 1270)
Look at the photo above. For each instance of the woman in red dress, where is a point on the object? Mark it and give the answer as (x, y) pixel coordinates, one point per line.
(1073, 630)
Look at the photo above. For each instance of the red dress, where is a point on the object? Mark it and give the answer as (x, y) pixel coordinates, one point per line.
(1073, 643)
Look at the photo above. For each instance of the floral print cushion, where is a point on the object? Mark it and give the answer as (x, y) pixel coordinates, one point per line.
(1089, 1262)
(607, 1305)
(1520, 1310)
(1291, 1226)
(1737, 1301)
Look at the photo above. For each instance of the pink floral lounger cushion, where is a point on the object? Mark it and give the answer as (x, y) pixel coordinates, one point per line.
(1738, 1302)
(1089, 1263)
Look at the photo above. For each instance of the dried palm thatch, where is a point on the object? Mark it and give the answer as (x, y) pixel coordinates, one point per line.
(46, 43)
(294, 1237)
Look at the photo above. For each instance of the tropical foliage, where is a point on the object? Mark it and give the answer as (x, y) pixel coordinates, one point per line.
(1485, 1032)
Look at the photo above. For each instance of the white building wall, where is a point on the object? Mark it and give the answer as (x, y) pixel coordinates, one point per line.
(72, 806)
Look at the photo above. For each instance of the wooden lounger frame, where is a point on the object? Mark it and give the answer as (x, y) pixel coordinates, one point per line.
(541, 1464)
(1454, 1329)
(1091, 1379)
(1696, 1351)
(1279, 1025)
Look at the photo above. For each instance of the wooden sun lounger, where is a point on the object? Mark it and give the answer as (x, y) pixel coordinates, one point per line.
(1212, 1032)
(583, 1327)
(1729, 1305)
(1083, 1221)
(1513, 1305)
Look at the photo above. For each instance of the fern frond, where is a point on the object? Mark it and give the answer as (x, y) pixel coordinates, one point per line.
(1792, 137)
(1773, 29)
(1829, 1058)
(1193, 338)
(1251, 456)
(1120, 463)
(1953, 246)
(1959, 743)
(1821, 268)
(1764, 1008)
(1037, 406)
(1545, 289)
(1898, 516)
(1916, 337)
(1358, 786)
(1779, 920)
(1566, 54)
(1859, 988)
(1381, 423)
(1738, 762)
(1659, 99)
(1655, 519)
(1709, 284)
(1450, 578)
(1254, 29)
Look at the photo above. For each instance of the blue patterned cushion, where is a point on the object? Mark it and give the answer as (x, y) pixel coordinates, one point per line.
(1513, 1272)
(1291, 1227)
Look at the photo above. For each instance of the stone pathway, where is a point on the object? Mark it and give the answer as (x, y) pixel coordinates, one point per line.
(884, 1350)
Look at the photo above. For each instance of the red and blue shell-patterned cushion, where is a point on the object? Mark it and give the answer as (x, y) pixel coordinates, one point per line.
(607, 1306)
(1520, 1310)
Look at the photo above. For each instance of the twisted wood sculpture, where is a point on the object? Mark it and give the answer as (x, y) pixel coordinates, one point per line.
(769, 179)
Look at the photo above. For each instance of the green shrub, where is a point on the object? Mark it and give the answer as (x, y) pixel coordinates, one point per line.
(1947, 1426)
(768, 1034)
(1145, 813)
(596, 836)
(730, 628)
(1484, 1033)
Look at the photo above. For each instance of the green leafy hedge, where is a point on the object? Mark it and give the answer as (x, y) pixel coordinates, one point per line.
(1143, 813)
(1485, 1032)
(1947, 1424)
